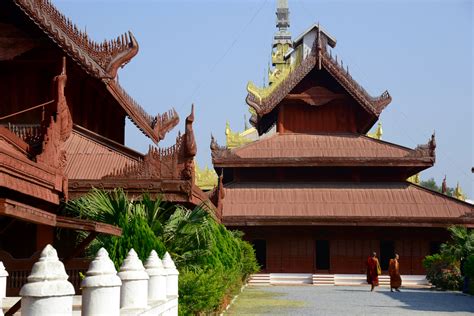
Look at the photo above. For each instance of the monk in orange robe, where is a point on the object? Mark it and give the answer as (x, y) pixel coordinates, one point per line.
(394, 272)
(373, 271)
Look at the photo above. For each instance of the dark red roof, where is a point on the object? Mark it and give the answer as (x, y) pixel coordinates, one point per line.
(319, 149)
(93, 157)
(310, 203)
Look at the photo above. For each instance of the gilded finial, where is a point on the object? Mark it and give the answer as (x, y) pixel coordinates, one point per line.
(458, 193)
(378, 132)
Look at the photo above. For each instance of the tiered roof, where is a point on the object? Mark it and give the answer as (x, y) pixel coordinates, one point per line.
(319, 57)
(100, 60)
(339, 149)
(374, 204)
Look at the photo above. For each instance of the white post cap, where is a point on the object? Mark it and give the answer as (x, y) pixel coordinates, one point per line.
(48, 277)
(132, 268)
(153, 265)
(101, 272)
(3, 271)
(169, 265)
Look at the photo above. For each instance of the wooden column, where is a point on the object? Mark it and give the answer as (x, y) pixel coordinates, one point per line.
(44, 236)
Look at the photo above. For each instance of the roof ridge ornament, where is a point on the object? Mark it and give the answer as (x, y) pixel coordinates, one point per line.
(109, 55)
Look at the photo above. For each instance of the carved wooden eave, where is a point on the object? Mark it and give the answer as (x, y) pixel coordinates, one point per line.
(154, 127)
(23, 175)
(426, 150)
(219, 152)
(54, 130)
(168, 171)
(216, 196)
(320, 58)
(100, 60)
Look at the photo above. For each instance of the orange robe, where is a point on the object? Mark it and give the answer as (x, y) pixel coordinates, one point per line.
(394, 272)
(373, 268)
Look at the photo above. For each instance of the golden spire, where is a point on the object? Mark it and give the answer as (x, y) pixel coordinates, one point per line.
(378, 132)
(458, 194)
(206, 179)
(281, 45)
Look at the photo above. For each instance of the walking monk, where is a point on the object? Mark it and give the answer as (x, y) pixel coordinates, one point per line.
(373, 271)
(394, 272)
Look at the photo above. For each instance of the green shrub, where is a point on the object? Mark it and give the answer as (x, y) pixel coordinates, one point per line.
(469, 271)
(213, 261)
(443, 272)
(469, 266)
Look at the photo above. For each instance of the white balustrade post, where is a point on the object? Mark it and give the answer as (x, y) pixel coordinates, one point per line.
(156, 272)
(101, 287)
(3, 285)
(172, 275)
(47, 292)
(134, 290)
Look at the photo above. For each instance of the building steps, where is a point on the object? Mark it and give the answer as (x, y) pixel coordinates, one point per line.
(291, 278)
(259, 279)
(331, 279)
(323, 279)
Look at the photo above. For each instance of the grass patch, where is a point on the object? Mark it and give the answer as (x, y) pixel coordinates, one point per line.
(255, 301)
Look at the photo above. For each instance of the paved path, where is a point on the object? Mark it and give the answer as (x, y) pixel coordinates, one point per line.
(345, 300)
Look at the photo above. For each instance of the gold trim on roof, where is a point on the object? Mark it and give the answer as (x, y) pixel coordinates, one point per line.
(206, 179)
(236, 139)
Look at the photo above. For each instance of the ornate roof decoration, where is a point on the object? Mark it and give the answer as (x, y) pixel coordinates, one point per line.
(459, 194)
(100, 60)
(206, 179)
(236, 139)
(378, 132)
(426, 150)
(175, 162)
(319, 57)
(218, 151)
(154, 127)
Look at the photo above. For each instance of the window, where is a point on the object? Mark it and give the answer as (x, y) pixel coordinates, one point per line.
(260, 247)
(387, 252)
(322, 255)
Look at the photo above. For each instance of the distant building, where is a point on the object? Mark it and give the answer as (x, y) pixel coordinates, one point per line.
(319, 195)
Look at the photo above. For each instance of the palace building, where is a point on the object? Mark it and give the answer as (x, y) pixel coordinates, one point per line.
(62, 132)
(318, 195)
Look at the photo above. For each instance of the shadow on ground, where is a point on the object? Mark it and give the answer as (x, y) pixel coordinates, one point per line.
(425, 300)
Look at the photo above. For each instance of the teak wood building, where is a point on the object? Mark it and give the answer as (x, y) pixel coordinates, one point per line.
(319, 195)
(62, 131)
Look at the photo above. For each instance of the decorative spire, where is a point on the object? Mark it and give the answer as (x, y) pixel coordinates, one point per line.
(283, 23)
(378, 132)
(444, 187)
(458, 194)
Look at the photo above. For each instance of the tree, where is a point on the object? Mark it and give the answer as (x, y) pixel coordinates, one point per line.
(432, 185)
(461, 244)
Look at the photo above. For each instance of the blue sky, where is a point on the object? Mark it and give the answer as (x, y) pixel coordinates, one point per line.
(205, 52)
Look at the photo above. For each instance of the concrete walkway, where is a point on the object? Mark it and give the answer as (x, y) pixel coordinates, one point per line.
(348, 300)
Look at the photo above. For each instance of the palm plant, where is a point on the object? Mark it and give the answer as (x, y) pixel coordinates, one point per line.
(115, 208)
(461, 244)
